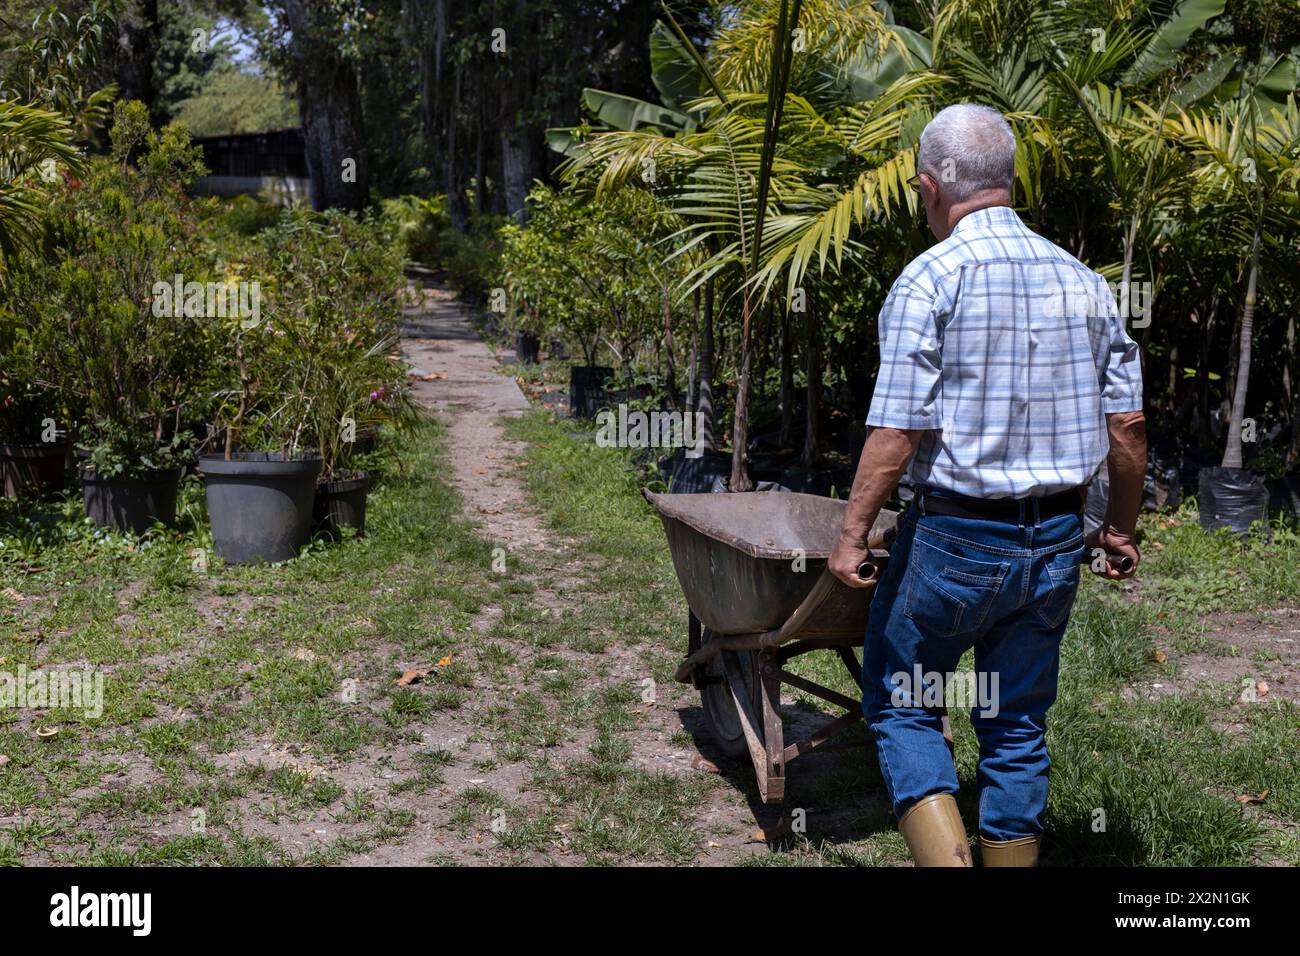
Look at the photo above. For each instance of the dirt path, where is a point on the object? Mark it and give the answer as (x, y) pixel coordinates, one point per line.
(457, 376)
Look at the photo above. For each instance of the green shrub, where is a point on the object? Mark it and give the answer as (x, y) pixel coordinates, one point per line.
(419, 225)
(321, 366)
(128, 364)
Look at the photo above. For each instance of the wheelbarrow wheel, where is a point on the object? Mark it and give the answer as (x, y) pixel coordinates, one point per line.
(720, 714)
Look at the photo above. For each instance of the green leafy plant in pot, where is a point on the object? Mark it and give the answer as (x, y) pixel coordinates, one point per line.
(358, 382)
(105, 327)
(298, 380)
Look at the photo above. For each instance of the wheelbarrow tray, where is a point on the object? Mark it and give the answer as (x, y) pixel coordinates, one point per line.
(746, 562)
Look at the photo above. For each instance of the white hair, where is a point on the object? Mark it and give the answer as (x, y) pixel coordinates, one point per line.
(967, 148)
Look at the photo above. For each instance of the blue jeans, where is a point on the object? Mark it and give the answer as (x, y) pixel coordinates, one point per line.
(953, 583)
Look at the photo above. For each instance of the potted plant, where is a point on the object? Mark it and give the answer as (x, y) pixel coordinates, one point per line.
(341, 411)
(300, 382)
(358, 382)
(110, 323)
(260, 500)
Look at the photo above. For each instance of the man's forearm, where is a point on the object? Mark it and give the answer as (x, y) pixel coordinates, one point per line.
(884, 459)
(1126, 466)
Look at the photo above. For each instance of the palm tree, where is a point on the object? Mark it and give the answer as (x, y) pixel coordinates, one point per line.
(30, 139)
(753, 180)
(1251, 165)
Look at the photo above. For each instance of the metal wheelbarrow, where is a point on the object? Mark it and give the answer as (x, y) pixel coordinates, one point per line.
(753, 569)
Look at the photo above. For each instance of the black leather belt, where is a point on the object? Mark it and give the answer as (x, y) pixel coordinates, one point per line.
(1003, 509)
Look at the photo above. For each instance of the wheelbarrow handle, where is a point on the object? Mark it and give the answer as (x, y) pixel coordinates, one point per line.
(1120, 562)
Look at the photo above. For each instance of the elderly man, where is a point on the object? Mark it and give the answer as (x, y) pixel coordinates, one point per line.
(1006, 380)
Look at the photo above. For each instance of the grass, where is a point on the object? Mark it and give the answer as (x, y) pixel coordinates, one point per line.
(1135, 780)
(251, 717)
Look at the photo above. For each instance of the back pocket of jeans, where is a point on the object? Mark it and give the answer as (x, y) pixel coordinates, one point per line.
(948, 594)
(1062, 576)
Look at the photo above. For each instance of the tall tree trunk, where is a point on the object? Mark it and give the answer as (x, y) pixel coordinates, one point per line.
(457, 208)
(705, 388)
(740, 480)
(137, 53)
(668, 348)
(1203, 370)
(1232, 450)
(1293, 397)
(693, 367)
(814, 399)
(516, 168)
(787, 381)
(329, 108)
(480, 162)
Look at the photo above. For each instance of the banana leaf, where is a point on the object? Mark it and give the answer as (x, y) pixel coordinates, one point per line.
(1170, 37)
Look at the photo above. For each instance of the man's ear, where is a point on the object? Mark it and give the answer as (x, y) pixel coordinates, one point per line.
(929, 191)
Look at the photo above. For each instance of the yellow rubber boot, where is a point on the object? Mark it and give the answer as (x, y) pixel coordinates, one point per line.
(934, 832)
(1019, 852)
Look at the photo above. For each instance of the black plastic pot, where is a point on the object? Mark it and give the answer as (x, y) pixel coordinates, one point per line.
(365, 442)
(587, 389)
(32, 470)
(1231, 498)
(807, 482)
(342, 504)
(130, 504)
(259, 504)
(528, 348)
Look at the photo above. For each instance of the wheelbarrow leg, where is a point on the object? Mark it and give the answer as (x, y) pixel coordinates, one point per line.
(759, 728)
(695, 640)
(773, 732)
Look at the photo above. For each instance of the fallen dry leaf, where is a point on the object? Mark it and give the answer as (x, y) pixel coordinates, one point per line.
(1262, 688)
(444, 661)
(704, 763)
(1260, 797)
(410, 677)
(1160, 657)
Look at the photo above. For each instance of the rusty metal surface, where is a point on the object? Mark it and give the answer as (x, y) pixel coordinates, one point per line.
(768, 524)
(753, 569)
(735, 557)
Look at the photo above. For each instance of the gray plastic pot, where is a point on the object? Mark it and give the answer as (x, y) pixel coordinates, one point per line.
(130, 504)
(259, 504)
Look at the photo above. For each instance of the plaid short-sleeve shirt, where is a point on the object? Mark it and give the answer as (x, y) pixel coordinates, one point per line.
(1009, 352)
